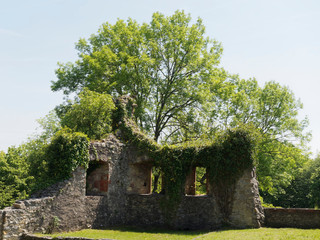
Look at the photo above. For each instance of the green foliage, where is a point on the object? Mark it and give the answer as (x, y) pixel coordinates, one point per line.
(201, 181)
(40, 162)
(280, 168)
(273, 111)
(157, 184)
(8, 194)
(225, 159)
(314, 170)
(50, 124)
(15, 180)
(168, 66)
(304, 190)
(65, 153)
(91, 115)
(171, 69)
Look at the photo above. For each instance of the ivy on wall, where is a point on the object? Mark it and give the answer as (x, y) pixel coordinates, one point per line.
(67, 151)
(225, 159)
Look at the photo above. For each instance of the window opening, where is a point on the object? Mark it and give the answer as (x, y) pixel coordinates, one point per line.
(97, 178)
(157, 181)
(201, 181)
(190, 188)
(196, 181)
(140, 179)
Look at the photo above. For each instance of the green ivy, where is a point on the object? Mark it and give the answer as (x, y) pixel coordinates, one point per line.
(225, 159)
(66, 152)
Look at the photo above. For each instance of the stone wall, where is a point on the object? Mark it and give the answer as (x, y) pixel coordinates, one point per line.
(127, 204)
(66, 207)
(144, 210)
(2, 217)
(63, 210)
(292, 217)
(199, 212)
(97, 212)
(112, 152)
(247, 210)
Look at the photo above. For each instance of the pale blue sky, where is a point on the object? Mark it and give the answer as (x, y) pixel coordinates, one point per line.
(270, 40)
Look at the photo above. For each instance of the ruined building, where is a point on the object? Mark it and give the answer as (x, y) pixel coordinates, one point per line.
(117, 190)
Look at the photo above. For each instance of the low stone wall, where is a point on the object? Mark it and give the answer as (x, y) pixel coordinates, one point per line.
(24, 216)
(195, 212)
(292, 217)
(198, 212)
(63, 210)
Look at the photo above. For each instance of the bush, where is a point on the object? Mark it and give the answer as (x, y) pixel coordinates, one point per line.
(66, 152)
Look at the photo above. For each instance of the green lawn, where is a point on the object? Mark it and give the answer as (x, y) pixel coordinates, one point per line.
(247, 234)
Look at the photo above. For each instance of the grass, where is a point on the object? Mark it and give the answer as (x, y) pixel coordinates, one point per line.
(125, 233)
(246, 234)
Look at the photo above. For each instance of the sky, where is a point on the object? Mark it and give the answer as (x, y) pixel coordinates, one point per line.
(267, 39)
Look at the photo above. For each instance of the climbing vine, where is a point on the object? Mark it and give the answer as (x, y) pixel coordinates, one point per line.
(225, 159)
(66, 152)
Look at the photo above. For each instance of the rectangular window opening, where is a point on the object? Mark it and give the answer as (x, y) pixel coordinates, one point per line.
(201, 181)
(196, 182)
(139, 179)
(157, 186)
(97, 181)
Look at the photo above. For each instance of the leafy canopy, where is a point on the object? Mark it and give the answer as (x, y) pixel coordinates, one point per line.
(168, 66)
(171, 69)
(91, 115)
(273, 111)
(15, 180)
(41, 161)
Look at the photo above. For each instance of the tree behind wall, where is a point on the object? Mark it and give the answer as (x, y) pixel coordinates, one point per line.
(169, 66)
(171, 69)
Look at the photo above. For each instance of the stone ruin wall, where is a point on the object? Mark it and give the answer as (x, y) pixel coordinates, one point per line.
(117, 194)
(292, 218)
(64, 202)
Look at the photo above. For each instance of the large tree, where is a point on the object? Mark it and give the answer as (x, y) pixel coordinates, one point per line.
(168, 66)
(171, 69)
(273, 111)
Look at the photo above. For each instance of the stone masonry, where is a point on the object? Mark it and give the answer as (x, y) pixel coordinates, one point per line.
(61, 208)
(292, 217)
(115, 191)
